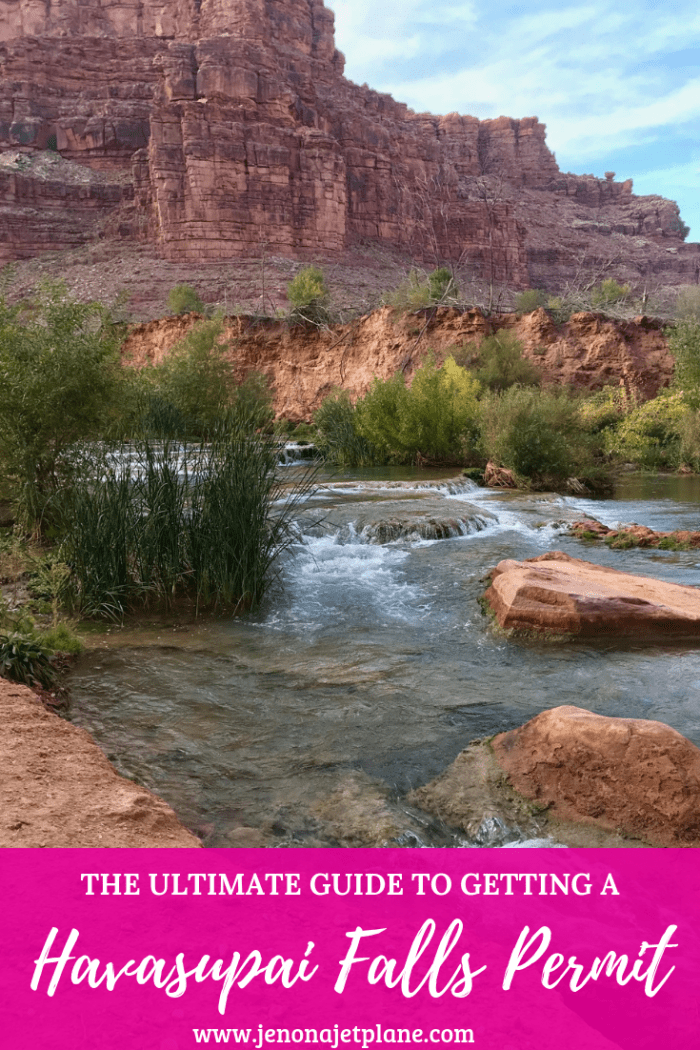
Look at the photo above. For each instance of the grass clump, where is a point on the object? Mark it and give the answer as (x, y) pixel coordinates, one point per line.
(620, 541)
(668, 543)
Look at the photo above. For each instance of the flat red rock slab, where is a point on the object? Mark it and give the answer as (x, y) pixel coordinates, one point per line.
(557, 594)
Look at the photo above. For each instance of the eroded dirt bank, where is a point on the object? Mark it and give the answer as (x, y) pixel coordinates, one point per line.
(304, 365)
(57, 788)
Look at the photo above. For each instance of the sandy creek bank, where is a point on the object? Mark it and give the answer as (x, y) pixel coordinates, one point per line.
(57, 788)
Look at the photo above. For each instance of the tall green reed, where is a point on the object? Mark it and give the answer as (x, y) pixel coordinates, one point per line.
(163, 524)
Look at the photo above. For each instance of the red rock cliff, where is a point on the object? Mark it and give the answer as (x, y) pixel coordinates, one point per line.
(228, 122)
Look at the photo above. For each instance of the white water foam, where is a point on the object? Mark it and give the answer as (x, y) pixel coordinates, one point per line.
(330, 581)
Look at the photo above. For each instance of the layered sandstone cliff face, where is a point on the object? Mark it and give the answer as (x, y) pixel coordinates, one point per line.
(228, 124)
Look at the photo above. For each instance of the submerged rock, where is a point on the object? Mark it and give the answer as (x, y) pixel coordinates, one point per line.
(378, 522)
(57, 788)
(634, 535)
(559, 595)
(581, 778)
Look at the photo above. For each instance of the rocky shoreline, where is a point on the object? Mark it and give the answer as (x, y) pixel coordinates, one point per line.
(579, 778)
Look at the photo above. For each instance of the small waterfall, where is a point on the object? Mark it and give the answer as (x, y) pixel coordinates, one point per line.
(294, 452)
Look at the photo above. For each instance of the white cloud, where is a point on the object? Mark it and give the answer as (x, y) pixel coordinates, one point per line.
(597, 75)
(605, 78)
(624, 125)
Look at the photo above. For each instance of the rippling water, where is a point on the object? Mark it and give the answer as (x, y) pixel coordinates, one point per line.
(373, 667)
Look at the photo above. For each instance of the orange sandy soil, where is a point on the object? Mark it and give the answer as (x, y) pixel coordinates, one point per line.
(57, 788)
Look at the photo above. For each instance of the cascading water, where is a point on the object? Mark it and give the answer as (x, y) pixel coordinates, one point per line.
(372, 667)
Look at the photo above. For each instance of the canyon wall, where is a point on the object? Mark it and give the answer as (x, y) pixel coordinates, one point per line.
(228, 124)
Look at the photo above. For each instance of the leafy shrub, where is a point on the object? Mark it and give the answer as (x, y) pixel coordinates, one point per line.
(61, 383)
(608, 292)
(650, 436)
(689, 451)
(501, 363)
(184, 299)
(337, 436)
(605, 408)
(561, 308)
(442, 285)
(412, 294)
(529, 300)
(676, 225)
(419, 290)
(688, 303)
(25, 660)
(309, 296)
(287, 430)
(684, 344)
(434, 419)
(537, 434)
(162, 524)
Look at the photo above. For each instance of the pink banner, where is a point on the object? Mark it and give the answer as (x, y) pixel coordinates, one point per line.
(496, 948)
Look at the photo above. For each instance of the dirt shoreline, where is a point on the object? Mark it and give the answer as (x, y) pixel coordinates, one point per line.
(59, 790)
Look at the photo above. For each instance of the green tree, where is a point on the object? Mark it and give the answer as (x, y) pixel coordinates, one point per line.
(60, 383)
(684, 343)
(537, 434)
(651, 435)
(435, 418)
(193, 388)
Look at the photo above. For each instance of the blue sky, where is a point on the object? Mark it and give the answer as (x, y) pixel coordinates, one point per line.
(618, 86)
